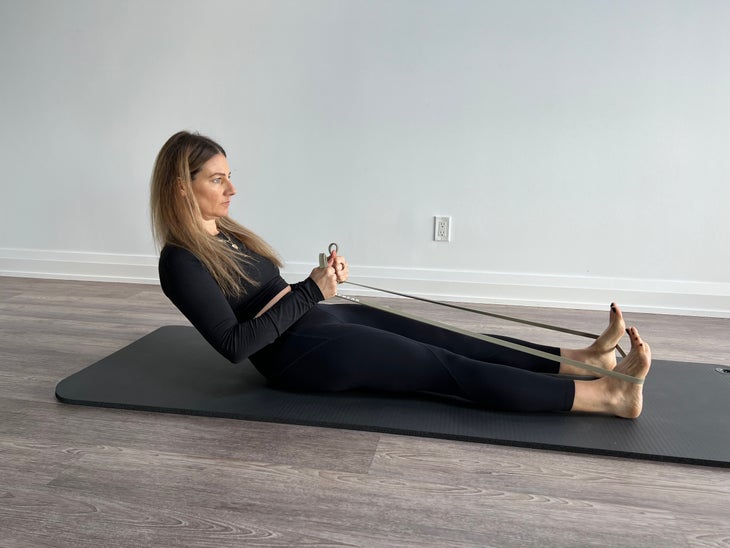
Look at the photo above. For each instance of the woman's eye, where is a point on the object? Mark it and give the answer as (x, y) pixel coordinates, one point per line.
(217, 180)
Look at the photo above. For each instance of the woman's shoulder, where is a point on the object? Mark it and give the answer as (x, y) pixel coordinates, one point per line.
(175, 256)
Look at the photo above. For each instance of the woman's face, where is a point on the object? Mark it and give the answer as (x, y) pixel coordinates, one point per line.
(213, 188)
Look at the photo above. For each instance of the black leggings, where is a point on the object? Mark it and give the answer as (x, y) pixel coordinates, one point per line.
(351, 347)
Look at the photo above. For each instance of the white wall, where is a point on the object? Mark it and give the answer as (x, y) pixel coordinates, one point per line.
(580, 146)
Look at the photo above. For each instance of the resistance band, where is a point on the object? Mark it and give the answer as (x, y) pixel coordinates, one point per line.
(492, 314)
(482, 337)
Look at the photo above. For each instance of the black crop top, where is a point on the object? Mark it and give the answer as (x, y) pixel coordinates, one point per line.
(229, 323)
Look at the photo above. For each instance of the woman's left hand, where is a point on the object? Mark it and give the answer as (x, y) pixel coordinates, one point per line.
(342, 270)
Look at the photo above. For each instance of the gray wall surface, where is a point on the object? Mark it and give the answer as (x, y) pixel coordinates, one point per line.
(580, 146)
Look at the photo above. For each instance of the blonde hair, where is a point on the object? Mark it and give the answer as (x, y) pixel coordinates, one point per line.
(176, 217)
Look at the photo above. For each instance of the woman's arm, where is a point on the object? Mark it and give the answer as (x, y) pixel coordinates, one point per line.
(193, 291)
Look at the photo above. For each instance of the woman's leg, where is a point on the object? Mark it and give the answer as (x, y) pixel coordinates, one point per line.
(338, 357)
(354, 357)
(449, 340)
(600, 353)
(323, 354)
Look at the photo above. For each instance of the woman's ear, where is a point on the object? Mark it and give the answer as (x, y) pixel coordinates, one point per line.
(181, 187)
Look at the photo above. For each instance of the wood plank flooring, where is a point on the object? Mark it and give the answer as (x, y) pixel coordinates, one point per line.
(90, 477)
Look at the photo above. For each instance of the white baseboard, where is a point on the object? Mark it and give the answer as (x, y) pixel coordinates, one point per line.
(77, 265)
(525, 289)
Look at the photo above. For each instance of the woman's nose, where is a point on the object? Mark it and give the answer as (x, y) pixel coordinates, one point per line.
(231, 190)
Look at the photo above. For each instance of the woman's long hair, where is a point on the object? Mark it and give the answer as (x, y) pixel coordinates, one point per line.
(176, 217)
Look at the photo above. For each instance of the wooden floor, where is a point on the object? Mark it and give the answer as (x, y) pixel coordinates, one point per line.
(90, 477)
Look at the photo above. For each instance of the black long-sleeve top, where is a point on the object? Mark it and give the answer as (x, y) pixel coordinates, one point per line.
(229, 323)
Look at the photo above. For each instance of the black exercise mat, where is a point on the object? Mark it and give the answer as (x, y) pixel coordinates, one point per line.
(686, 414)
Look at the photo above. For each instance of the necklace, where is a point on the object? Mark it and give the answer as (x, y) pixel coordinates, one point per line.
(228, 240)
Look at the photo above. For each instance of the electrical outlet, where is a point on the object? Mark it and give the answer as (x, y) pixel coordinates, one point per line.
(442, 229)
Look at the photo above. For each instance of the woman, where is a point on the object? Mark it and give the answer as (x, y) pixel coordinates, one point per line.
(225, 280)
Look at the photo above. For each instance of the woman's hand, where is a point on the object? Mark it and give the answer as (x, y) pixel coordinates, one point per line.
(326, 279)
(329, 276)
(342, 270)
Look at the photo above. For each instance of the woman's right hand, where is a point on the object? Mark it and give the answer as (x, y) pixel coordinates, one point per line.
(326, 279)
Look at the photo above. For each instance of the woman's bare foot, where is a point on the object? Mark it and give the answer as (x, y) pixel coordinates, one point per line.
(616, 396)
(628, 397)
(601, 352)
